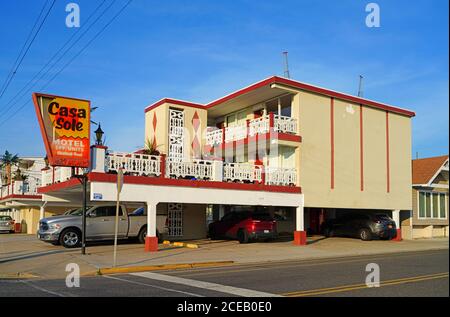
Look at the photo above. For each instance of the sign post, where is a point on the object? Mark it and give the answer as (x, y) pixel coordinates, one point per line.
(119, 189)
(65, 127)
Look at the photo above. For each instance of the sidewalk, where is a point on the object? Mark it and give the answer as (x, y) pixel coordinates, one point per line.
(50, 262)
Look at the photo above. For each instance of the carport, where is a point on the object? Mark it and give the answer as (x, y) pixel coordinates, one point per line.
(153, 192)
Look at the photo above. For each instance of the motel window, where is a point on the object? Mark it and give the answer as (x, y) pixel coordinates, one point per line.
(432, 205)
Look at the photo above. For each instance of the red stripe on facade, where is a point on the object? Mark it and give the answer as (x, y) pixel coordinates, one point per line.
(388, 167)
(361, 146)
(332, 140)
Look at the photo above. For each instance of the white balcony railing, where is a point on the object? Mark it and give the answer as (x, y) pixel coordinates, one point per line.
(285, 124)
(59, 174)
(135, 164)
(198, 169)
(214, 137)
(235, 133)
(28, 187)
(256, 126)
(245, 172)
(281, 176)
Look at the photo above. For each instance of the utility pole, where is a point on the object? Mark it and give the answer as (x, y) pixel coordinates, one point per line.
(286, 65)
(360, 89)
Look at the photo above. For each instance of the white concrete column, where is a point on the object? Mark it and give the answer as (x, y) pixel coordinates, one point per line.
(98, 155)
(151, 219)
(300, 219)
(396, 218)
(218, 171)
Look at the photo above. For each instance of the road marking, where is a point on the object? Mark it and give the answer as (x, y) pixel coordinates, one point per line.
(268, 266)
(41, 288)
(205, 285)
(347, 288)
(155, 286)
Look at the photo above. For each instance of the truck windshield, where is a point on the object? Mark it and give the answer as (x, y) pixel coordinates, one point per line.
(77, 212)
(5, 218)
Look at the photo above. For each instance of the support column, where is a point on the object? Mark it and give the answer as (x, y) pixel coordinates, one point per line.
(396, 217)
(151, 240)
(300, 233)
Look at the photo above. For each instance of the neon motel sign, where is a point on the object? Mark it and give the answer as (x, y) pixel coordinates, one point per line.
(65, 128)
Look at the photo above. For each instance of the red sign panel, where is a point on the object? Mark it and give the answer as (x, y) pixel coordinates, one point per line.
(65, 127)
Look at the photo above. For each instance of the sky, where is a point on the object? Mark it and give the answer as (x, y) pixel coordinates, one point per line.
(201, 50)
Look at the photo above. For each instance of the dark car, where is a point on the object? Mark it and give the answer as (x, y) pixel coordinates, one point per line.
(244, 226)
(363, 226)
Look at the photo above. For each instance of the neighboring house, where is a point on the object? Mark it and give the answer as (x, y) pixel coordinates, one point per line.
(302, 152)
(429, 198)
(20, 199)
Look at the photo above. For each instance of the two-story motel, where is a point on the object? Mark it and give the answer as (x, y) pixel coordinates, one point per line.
(301, 152)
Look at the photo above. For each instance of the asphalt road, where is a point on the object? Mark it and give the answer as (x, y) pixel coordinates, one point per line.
(406, 274)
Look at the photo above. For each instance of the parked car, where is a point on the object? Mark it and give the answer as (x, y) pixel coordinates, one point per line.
(7, 224)
(363, 226)
(100, 225)
(244, 226)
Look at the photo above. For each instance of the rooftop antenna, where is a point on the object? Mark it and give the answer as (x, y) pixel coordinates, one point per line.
(360, 89)
(286, 65)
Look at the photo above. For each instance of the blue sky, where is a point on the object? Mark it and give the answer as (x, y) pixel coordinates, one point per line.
(200, 50)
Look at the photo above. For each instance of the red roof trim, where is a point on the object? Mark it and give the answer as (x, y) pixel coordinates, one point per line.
(38, 197)
(57, 186)
(176, 102)
(319, 90)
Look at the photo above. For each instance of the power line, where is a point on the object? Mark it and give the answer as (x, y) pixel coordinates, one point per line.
(27, 49)
(24, 45)
(73, 58)
(24, 90)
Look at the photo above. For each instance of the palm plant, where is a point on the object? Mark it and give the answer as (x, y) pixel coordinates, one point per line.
(7, 160)
(151, 148)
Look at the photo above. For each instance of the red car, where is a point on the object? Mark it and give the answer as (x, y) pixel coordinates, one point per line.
(244, 226)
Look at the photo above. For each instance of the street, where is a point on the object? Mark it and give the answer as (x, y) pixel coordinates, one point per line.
(421, 274)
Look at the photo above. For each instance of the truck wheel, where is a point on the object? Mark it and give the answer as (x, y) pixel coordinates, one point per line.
(365, 234)
(70, 238)
(143, 234)
(242, 236)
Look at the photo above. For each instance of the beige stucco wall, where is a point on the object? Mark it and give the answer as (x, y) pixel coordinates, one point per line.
(315, 155)
(194, 221)
(162, 136)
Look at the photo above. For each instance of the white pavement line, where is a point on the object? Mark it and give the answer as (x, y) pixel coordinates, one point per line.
(42, 289)
(205, 285)
(154, 286)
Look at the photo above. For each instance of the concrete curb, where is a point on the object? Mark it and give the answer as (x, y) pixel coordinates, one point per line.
(181, 244)
(18, 275)
(135, 269)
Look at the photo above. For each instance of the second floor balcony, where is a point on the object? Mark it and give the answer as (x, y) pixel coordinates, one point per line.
(254, 127)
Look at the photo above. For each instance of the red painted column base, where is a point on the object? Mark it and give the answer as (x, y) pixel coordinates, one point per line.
(300, 237)
(398, 237)
(151, 244)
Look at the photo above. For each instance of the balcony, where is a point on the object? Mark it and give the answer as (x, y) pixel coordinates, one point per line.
(258, 126)
(196, 169)
(57, 174)
(25, 188)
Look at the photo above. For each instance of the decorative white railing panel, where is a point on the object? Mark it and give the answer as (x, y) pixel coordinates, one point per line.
(235, 133)
(214, 137)
(281, 176)
(242, 172)
(285, 124)
(259, 125)
(199, 169)
(176, 135)
(137, 164)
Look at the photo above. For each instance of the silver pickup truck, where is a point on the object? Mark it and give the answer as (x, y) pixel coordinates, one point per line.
(100, 225)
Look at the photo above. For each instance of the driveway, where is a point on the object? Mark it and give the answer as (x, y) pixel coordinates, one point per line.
(26, 254)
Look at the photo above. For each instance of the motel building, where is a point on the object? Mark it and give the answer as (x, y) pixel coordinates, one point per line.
(301, 152)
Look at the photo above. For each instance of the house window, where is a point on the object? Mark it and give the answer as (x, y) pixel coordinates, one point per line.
(432, 205)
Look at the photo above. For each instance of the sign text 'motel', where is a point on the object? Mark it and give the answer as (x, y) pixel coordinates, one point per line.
(65, 127)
